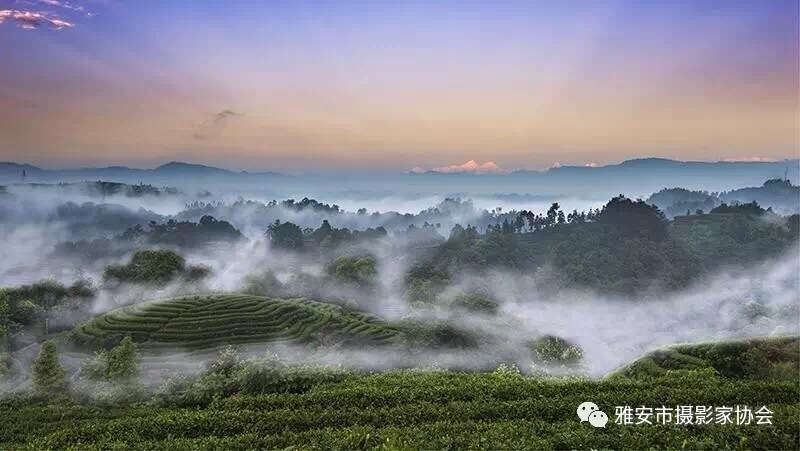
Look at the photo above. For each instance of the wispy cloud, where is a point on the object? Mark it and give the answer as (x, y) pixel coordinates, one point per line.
(751, 160)
(214, 126)
(65, 5)
(31, 20)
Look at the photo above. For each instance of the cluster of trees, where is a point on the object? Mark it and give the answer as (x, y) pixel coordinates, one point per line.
(355, 271)
(627, 247)
(425, 282)
(118, 366)
(348, 281)
(736, 234)
(424, 235)
(626, 250)
(327, 237)
(28, 305)
(466, 249)
(304, 204)
(554, 216)
(155, 268)
(102, 188)
(287, 235)
(309, 213)
(183, 233)
(89, 219)
(679, 201)
(748, 209)
(777, 194)
(199, 208)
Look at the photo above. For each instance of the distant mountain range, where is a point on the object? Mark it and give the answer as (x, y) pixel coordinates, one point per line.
(171, 168)
(637, 177)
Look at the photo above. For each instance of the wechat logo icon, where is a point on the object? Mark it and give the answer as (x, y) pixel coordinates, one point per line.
(588, 411)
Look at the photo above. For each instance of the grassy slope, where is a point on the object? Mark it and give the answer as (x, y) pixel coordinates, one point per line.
(207, 321)
(420, 410)
(762, 358)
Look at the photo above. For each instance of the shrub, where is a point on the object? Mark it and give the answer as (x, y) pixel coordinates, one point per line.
(476, 302)
(261, 375)
(120, 364)
(226, 362)
(507, 371)
(265, 284)
(197, 272)
(556, 350)
(95, 367)
(26, 312)
(106, 393)
(122, 361)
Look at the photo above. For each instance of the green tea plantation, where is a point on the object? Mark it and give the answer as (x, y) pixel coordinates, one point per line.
(403, 410)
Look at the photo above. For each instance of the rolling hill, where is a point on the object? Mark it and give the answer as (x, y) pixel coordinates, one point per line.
(209, 321)
(757, 358)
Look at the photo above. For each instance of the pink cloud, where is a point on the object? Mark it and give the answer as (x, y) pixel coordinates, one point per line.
(30, 20)
(472, 166)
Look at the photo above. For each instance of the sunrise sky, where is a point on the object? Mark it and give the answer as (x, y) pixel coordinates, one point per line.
(379, 85)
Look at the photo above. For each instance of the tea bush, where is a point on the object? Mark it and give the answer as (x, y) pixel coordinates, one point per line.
(417, 409)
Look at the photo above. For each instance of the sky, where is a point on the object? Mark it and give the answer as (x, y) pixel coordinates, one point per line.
(456, 85)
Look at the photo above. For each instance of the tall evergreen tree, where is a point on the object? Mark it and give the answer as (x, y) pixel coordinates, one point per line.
(49, 377)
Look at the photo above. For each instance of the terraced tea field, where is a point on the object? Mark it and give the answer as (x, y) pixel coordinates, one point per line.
(757, 358)
(209, 321)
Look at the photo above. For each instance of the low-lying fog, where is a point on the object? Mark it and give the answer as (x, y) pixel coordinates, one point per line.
(611, 331)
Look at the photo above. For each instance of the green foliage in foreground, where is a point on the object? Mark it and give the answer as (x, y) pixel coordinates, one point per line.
(232, 375)
(433, 410)
(761, 358)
